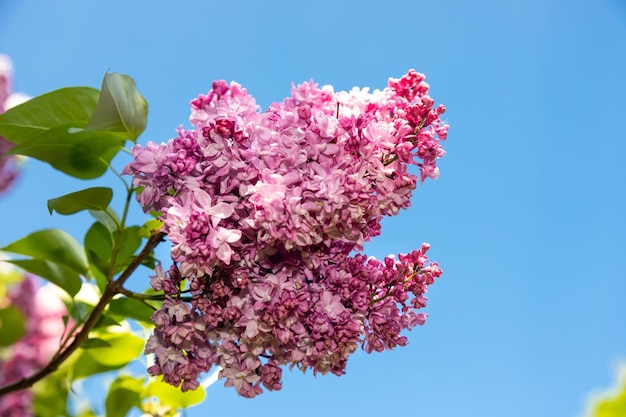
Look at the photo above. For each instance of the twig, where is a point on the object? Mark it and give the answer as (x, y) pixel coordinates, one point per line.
(140, 296)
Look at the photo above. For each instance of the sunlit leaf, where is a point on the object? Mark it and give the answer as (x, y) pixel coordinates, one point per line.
(124, 348)
(80, 153)
(149, 227)
(53, 245)
(611, 403)
(173, 396)
(124, 394)
(121, 108)
(95, 198)
(12, 326)
(73, 105)
(86, 366)
(87, 413)
(94, 343)
(61, 275)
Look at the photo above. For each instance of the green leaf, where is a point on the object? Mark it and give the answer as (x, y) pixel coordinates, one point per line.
(149, 227)
(53, 245)
(86, 366)
(131, 308)
(99, 271)
(107, 217)
(120, 108)
(73, 105)
(99, 241)
(96, 198)
(150, 261)
(85, 413)
(106, 321)
(95, 343)
(99, 247)
(12, 326)
(173, 396)
(80, 153)
(64, 277)
(123, 394)
(124, 347)
(79, 310)
(612, 402)
(128, 244)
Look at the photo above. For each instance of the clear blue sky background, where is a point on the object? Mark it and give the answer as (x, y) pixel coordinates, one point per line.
(527, 219)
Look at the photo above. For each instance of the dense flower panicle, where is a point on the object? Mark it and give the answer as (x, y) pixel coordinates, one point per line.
(264, 210)
(43, 312)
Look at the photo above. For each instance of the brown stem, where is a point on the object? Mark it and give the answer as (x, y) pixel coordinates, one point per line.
(110, 291)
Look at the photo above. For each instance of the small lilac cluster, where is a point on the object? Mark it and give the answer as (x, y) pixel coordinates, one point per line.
(264, 210)
(43, 312)
(8, 168)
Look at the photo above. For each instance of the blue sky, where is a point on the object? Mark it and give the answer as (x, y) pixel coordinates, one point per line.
(527, 218)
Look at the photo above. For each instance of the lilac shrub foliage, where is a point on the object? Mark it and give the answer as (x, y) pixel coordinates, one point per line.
(265, 211)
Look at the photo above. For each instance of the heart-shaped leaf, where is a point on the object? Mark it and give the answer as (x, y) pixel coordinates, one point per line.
(53, 245)
(58, 274)
(121, 108)
(72, 105)
(124, 394)
(80, 153)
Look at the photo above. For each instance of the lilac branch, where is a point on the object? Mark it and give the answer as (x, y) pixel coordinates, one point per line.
(113, 288)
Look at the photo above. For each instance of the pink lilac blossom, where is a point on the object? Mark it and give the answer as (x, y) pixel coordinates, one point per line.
(8, 166)
(43, 311)
(264, 210)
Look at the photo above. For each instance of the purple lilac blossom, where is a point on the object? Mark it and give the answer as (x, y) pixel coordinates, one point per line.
(43, 313)
(264, 210)
(8, 165)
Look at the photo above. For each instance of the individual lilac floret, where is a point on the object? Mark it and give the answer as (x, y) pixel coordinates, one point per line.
(265, 210)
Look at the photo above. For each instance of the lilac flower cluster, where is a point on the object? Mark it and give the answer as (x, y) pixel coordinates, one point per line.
(8, 167)
(43, 312)
(264, 211)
